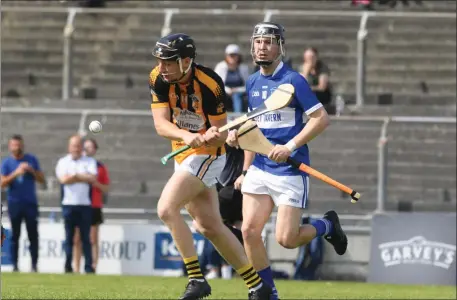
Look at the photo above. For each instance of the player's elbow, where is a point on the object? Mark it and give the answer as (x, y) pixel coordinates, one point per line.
(325, 120)
(322, 118)
(161, 129)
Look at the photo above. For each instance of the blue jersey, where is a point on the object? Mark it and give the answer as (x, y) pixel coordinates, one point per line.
(280, 126)
(22, 188)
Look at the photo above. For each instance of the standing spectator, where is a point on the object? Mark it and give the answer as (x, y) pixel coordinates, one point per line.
(99, 192)
(317, 74)
(3, 230)
(234, 74)
(18, 175)
(77, 173)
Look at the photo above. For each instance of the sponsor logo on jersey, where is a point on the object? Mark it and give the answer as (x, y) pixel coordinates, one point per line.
(188, 120)
(255, 94)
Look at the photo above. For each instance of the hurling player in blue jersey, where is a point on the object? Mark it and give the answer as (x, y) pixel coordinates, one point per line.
(269, 181)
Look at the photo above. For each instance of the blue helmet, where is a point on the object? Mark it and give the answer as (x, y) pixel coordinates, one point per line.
(274, 31)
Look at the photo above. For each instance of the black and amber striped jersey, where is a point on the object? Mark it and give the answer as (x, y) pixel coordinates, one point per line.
(192, 105)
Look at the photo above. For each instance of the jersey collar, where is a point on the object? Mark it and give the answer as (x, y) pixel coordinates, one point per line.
(276, 71)
(278, 68)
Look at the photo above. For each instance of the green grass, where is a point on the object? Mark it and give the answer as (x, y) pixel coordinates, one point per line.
(47, 286)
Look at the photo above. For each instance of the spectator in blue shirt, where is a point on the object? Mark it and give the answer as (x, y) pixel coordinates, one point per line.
(19, 171)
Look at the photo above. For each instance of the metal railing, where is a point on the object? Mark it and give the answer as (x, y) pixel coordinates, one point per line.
(168, 13)
(382, 140)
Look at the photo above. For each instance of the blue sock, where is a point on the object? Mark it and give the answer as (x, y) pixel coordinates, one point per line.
(323, 227)
(267, 276)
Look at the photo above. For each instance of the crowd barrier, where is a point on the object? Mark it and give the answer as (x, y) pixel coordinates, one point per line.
(403, 248)
(124, 250)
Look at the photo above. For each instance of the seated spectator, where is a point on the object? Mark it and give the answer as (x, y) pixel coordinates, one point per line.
(234, 74)
(317, 74)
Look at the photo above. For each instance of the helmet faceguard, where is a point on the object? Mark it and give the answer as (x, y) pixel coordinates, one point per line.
(276, 34)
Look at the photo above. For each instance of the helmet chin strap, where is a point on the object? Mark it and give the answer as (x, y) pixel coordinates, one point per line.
(266, 63)
(183, 73)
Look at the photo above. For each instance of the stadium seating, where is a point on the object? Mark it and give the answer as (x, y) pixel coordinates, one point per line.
(413, 59)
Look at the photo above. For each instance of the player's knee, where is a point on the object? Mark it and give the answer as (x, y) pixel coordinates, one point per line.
(250, 232)
(209, 228)
(286, 240)
(165, 213)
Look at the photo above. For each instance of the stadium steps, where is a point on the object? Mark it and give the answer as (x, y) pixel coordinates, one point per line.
(431, 6)
(408, 110)
(79, 103)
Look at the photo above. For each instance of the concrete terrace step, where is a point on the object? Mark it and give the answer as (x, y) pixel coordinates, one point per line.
(410, 110)
(403, 99)
(400, 87)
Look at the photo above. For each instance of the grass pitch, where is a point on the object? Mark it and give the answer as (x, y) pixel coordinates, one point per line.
(51, 286)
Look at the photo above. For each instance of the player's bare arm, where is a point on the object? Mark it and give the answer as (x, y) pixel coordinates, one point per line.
(167, 129)
(318, 121)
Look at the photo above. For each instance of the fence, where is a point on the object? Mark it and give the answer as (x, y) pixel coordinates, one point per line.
(362, 34)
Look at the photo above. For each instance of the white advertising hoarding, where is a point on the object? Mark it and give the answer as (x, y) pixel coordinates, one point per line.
(124, 249)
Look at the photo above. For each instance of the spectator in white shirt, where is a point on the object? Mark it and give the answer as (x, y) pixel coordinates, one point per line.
(234, 73)
(77, 173)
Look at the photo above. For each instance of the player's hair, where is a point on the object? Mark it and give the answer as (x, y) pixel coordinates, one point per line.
(16, 137)
(93, 141)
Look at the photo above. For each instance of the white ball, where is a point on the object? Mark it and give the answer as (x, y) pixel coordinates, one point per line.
(95, 126)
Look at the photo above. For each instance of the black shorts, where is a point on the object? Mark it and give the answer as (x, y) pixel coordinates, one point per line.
(230, 204)
(97, 216)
